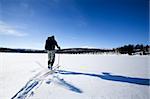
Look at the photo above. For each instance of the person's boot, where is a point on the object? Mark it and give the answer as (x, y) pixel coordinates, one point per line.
(50, 67)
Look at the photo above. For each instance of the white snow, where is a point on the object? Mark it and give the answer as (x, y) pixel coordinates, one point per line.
(83, 76)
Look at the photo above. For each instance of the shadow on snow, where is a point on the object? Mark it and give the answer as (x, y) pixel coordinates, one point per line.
(109, 76)
(67, 85)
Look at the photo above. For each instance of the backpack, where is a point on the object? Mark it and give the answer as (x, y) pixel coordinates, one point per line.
(50, 44)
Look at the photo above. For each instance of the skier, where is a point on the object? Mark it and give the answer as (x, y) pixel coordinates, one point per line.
(50, 48)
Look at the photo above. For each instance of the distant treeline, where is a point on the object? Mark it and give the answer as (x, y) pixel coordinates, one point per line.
(133, 49)
(130, 49)
(21, 50)
(62, 51)
(83, 51)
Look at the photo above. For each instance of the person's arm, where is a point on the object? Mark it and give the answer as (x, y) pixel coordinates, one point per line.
(57, 45)
(46, 45)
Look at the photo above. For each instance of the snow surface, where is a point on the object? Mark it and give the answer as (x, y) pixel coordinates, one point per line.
(25, 76)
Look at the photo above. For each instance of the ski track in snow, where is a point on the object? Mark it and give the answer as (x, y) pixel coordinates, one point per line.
(37, 80)
(32, 84)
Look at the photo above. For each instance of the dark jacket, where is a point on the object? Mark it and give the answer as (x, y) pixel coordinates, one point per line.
(50, 44)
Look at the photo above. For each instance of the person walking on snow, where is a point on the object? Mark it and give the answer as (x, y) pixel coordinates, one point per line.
(50, 48)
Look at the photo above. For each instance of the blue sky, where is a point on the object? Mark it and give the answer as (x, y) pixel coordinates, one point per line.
(75, 23)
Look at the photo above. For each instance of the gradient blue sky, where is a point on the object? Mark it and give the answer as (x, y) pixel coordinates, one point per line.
(75, 23)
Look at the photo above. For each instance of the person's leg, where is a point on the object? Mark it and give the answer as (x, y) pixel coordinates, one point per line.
(53, 58)
(49, 59)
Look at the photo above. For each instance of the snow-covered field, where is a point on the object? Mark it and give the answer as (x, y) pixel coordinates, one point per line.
(25, 76)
